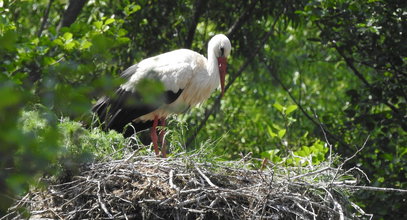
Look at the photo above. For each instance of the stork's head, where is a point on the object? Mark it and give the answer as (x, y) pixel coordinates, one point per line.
(221, 47)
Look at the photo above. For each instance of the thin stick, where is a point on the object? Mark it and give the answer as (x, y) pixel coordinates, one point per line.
(206, 178)
(311, 173)
(373, 188)
(189, 201)
(101, 203)
(350, 158)
(171, 181)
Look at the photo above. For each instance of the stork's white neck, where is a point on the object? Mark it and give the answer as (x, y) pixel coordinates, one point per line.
(213, 68)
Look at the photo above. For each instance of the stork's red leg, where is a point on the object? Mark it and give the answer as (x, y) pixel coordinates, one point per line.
(162, 140)
(153, 133)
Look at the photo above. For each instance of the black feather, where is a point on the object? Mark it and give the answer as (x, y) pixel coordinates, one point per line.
(171, 96)
(125, 106)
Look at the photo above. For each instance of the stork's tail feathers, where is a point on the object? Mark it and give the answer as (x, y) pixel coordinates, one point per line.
(116, 114)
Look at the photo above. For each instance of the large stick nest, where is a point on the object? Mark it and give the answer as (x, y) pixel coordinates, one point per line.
(183, 187)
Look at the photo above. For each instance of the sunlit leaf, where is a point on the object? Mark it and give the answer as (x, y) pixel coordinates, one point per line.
(70, 45)
(281, 133)
(98, 24)
(121, 32)
(67, 36)
(131, 8)
(85, 44)
(109, 21)
(278, 106)
(290, 109)
(270, 132)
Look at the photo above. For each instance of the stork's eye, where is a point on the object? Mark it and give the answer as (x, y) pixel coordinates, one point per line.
(222, 51)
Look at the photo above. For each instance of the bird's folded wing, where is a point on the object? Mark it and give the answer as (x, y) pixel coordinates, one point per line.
(146, 89)
(173, 76)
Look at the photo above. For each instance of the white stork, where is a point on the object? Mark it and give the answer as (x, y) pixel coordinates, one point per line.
(186, 78)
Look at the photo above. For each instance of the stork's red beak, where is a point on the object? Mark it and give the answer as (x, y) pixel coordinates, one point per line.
(222, 63)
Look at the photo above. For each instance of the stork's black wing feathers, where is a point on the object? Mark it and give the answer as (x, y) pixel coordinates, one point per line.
(126, 74)
(125, 106)
(170, 96)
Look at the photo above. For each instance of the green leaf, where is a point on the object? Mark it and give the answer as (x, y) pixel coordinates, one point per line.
(98, 24)
(70, 45)
(105, 28)
(150, 90)
(276, 126)
(48, 61)
(85, 44)
(109, 21)
(278, 106)
(121, 32)
(271, 133)
(35, 41)
(58, 41)
(101, 44)
(67, 36)
(281, 133)
(301, 153)
(291, 109)
(130, 9)
(307, 150)
(403, 152)
(271, 155)
(123, 40)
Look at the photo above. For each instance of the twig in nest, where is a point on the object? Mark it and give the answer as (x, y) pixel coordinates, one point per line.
(361, 210)
(373, 188)
(102, 204)
(360, 171)
(206, 178)
(171, 181)
(189, 201)
(348, 159)
(311, 173)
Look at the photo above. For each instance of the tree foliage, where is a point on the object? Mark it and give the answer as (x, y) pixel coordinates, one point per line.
(303, 74)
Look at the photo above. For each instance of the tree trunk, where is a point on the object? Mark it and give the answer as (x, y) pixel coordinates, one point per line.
(71, 13)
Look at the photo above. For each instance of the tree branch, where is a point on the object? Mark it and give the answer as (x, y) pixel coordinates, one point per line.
(71, 13)
(349, 62)
(199, 10)
(242, 19)
(355, 71)
(45, 18)
(373, 188)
